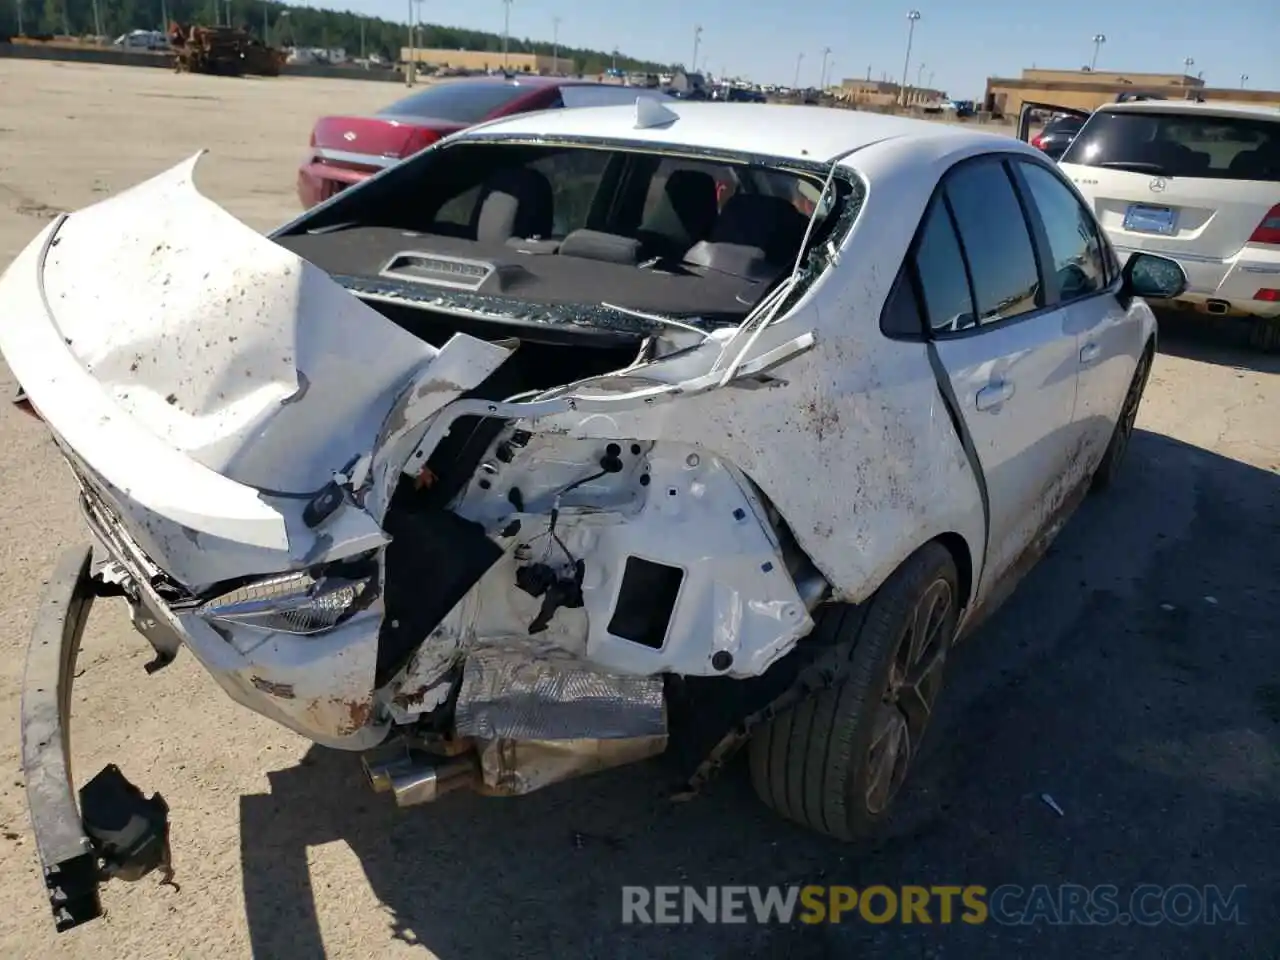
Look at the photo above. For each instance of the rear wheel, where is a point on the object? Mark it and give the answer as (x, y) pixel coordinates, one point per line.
(1109, 468)
(1264, 334)
(836, 761)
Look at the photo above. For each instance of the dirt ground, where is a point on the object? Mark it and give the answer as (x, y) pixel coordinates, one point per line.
(1134, 677)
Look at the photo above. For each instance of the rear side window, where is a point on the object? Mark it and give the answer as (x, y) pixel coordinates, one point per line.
(944, 283)
(457, 101)
(575, 176)
(1180, 145)
(995, 239)
(1077, 251)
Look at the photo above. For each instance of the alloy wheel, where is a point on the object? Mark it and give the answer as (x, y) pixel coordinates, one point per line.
(915, 678)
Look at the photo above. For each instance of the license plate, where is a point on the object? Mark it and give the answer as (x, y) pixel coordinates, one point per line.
(1144, 218)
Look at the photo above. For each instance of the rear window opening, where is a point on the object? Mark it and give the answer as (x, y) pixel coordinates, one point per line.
(1180, 145)
(532, 241)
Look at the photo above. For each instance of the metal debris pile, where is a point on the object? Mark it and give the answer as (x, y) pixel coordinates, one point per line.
(226, 51)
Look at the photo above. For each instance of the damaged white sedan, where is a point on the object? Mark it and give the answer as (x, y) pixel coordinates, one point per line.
(576, 438)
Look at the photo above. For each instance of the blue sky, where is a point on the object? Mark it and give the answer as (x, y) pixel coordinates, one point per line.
(960, 44)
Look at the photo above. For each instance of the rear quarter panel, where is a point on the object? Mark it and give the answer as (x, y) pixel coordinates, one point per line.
(851, 441)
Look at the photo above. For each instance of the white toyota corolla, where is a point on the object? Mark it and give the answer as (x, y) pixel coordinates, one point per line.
(579, 437)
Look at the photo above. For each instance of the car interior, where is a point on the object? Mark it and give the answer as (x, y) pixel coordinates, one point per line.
(571, 226)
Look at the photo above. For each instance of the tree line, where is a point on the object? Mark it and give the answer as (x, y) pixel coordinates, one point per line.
(283, 25)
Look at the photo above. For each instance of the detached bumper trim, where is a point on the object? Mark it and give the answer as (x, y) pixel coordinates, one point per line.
(67, 856)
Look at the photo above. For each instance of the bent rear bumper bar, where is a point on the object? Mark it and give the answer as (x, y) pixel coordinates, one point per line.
(118, 833)
(67, 856)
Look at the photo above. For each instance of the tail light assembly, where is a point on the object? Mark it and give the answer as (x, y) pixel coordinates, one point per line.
(1268, 231)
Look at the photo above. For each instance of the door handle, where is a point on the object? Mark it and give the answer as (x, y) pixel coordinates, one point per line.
(993, 394)
(1089, 352)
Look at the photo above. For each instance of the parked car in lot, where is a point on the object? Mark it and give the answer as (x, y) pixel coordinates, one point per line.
(347, 149)
(1057, 135)
(529, 458)
(1196, 182)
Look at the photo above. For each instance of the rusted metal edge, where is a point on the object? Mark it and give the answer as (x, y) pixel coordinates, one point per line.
(67, 856)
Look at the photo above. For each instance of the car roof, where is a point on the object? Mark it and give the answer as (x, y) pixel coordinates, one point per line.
(774, 130)
(1211, 108)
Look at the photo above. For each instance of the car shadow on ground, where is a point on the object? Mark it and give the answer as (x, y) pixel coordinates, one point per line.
(1132, 678)
(1219, 340)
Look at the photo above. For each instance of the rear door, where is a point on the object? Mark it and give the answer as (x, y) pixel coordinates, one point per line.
(1194, 184)
(1011, 358)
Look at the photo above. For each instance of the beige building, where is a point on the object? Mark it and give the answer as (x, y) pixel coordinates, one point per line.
(884, 93)
(1086, 90)
(487, 60)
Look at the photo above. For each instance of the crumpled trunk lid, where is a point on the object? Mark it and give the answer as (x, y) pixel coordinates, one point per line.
(205, 382)
(222, 343)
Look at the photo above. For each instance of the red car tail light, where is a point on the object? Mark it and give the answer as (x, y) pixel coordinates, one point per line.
(1268, 295)
(1038, 141)
(1268, 230)
(420, 139)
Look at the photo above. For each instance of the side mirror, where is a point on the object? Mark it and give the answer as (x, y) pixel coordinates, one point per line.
(1149, 276)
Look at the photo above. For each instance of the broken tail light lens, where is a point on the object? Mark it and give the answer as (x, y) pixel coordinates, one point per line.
(298, 603)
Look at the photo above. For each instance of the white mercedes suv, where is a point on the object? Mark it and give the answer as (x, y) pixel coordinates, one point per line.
(1197, 182)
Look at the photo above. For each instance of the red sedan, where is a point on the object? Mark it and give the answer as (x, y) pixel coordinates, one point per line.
(346, 150)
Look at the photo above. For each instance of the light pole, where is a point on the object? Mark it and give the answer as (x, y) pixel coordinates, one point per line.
(799, 60)
(912, 17)
(920, 74)
(822, 78)
(555, 45)
(1244, 78)
(506, 33)
(1098, 40)
(1188, 63)
(697, 40)
(410, 68)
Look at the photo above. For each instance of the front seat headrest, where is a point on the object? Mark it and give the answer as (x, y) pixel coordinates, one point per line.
(516, 202)
(770, 224)
(692, 196)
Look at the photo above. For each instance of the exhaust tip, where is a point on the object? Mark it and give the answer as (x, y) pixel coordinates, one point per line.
(1217, 307)
(426, 782)
(413, 779)
(382, 771)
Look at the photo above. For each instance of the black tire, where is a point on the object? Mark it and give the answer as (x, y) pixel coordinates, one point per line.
(1264, 334)
(1109, 468)
(814, 763)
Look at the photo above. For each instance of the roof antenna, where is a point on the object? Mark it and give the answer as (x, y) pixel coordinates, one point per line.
(650, 112)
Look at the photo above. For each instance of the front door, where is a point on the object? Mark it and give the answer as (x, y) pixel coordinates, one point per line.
(1086, 276)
